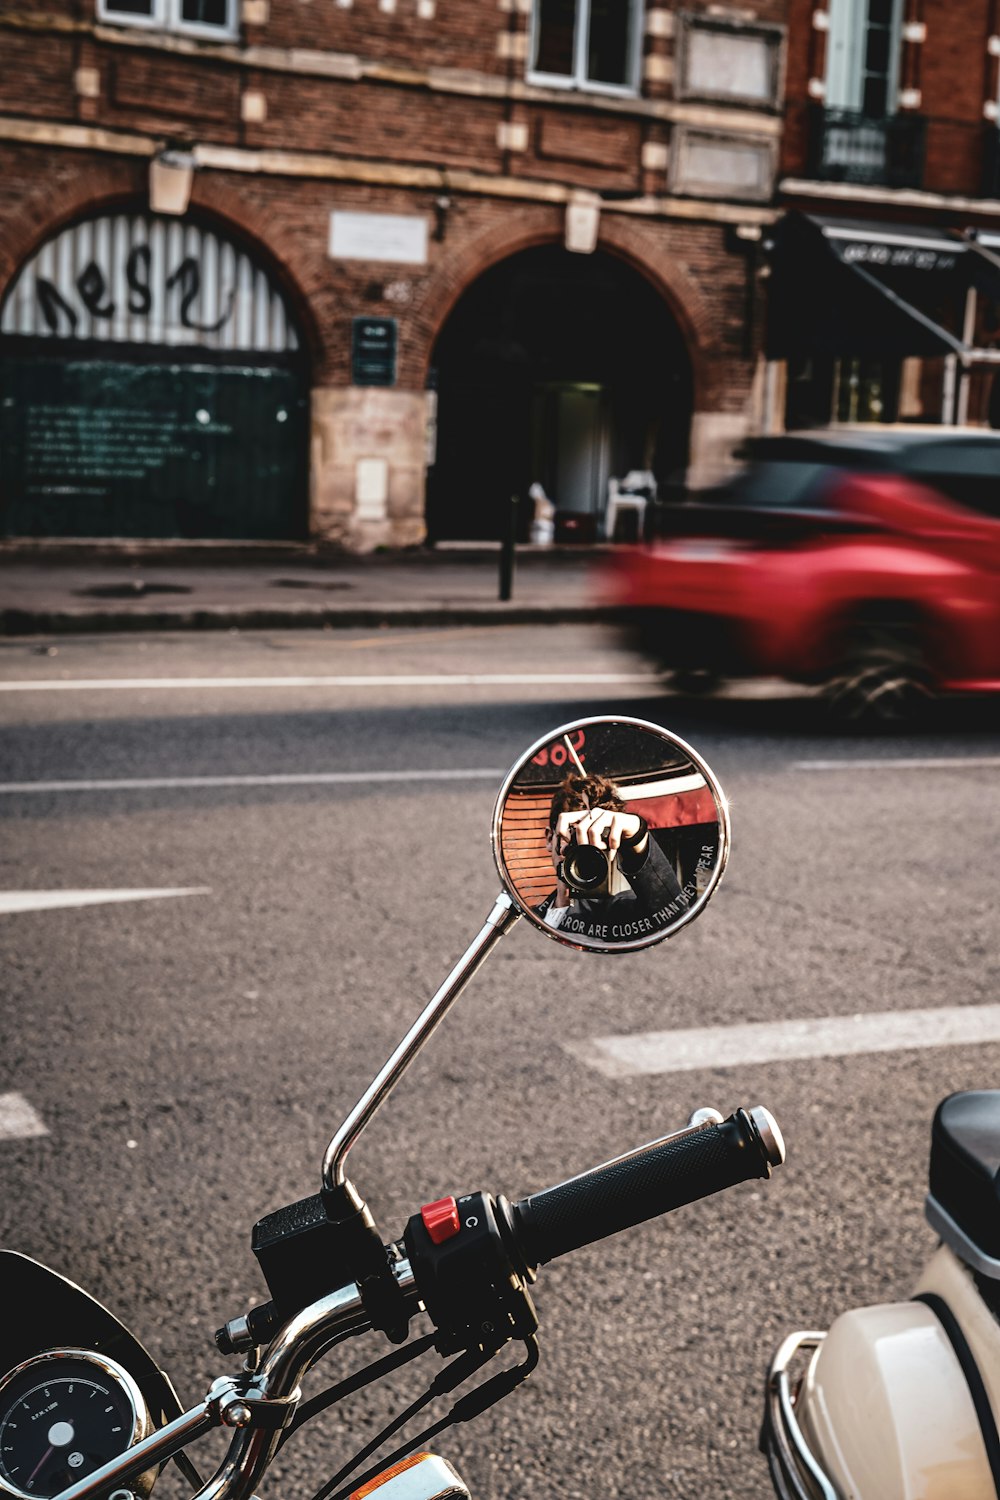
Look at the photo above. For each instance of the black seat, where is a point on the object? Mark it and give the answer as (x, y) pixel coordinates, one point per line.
(965, 1161)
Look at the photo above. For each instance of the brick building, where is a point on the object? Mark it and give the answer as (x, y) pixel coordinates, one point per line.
(361, 269)
(890, 171)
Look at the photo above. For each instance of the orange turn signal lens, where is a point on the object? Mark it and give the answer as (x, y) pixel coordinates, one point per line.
(386, 1475)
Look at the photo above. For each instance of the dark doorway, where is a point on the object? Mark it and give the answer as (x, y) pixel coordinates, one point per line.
(560, 369)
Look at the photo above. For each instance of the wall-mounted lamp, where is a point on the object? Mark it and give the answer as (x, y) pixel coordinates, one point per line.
(171, 173)
(441, 207)
(583, 219)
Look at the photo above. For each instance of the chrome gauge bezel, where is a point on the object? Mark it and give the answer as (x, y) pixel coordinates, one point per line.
(142, 1422)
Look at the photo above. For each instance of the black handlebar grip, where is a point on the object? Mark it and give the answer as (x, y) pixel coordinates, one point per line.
(646, 1182)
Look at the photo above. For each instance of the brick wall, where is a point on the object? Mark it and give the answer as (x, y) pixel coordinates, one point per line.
(954, 64)
(287, 222)
(951, 69)
(954, 75)
(126, 85)
(164, 95)
(803, 56)
(455, 36)
(36, 77)
(399, 100)
(377, 120)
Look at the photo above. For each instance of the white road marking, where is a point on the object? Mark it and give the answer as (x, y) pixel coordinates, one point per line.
(928, 763)
(17, 901)
(785, 1041)
(18, 1119)
(305, 778)
(424, 679)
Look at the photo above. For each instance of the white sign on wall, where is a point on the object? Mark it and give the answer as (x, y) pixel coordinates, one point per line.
(731, 64)
(388, 237)
(371, 488)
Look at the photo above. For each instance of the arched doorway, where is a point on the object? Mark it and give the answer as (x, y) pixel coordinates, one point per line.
(559, 368)
(152, 384)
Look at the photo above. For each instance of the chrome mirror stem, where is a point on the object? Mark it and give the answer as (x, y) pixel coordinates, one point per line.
(500, 920)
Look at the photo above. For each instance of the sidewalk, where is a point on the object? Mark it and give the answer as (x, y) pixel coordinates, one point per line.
(61, 588)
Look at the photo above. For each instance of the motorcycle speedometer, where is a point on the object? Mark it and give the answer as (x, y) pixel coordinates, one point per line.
(63, 1414)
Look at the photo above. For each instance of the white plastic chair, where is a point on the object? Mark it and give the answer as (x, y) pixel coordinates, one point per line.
(623, 496)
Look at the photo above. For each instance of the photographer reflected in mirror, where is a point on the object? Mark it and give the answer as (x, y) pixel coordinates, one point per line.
(624, 819)
(613, 881)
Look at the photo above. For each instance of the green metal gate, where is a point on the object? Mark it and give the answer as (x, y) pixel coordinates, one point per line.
(109, 448)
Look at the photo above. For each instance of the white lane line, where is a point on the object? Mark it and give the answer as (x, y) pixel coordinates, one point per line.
(305, 778)
(18, 1119)
(16, 901)
(929, 763)
(426, 679)
(785, 1041)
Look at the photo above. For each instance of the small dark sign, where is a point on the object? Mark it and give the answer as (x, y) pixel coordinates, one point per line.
(373, 351)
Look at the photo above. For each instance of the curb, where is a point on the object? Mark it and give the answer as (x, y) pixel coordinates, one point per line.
(22, 622)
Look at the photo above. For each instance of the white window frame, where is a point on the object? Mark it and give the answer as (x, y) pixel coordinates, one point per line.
(579, 79)
(845, 45)
(165, 15)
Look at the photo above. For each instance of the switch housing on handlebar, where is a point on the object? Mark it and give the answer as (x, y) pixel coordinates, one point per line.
(473, 1284)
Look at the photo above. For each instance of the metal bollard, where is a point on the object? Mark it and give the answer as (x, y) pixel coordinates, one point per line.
(508, 542)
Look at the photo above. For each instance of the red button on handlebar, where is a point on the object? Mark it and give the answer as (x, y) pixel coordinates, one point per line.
(441, 1219)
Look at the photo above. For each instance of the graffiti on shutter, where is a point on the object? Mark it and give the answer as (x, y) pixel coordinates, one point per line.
(136, 279)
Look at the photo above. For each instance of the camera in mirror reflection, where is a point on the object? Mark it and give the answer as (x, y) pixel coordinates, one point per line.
(586, 871)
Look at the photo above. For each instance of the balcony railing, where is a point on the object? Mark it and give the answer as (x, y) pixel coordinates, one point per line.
(847, 146)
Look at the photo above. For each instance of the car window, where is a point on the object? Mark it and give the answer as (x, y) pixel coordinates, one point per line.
(966, 472)
(780, 486)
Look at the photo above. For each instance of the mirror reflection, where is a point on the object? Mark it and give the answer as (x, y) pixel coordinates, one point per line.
(610, 833)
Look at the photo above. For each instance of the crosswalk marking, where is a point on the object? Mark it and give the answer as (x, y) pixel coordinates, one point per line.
(17, 1118)
(19, 901)
(787, 1041)
(304, 778)
(903, 763)
(382, 680)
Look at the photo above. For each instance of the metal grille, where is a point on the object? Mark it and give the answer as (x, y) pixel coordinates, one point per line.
(135, 279)
(847, 146)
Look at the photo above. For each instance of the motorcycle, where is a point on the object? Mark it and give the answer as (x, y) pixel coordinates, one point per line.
(609, 835)
(900, 1400)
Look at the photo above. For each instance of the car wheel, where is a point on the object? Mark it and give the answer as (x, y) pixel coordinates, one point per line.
(882, 681)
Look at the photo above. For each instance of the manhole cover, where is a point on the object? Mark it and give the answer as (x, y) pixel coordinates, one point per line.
(326, 584)
(136, 588)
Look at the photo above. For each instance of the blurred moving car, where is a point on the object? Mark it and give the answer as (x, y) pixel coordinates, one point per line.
(867, 561)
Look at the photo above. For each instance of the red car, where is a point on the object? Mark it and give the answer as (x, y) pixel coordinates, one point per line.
(865, 561)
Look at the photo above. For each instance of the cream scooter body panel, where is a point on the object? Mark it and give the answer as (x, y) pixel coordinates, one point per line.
(886, 1410)
(953, 1282)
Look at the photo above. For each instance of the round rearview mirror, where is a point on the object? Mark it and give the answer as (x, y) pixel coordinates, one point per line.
(610, 834)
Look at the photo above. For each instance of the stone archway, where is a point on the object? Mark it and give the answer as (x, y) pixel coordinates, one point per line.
(557, 368)
(155, 385)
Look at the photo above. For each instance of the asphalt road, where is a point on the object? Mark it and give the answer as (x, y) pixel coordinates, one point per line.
(189, 1056)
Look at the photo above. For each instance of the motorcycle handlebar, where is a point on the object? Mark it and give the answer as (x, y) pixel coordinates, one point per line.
(663, 1175)
(651, 1180)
